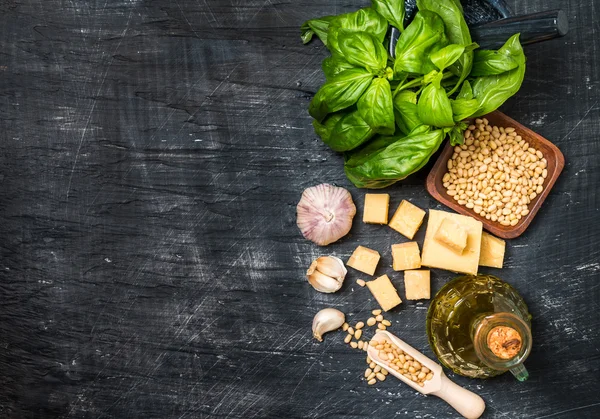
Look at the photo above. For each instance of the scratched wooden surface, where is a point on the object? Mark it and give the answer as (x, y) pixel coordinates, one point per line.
(152, 154)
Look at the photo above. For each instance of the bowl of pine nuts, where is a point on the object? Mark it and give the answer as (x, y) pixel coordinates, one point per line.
(500, 175)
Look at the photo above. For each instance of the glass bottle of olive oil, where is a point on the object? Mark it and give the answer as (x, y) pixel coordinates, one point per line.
(479, 327)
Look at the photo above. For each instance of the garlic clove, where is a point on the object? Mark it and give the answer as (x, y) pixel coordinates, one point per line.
(325, 321)
(326, 274)
(325, 213)
(324, 283)
(331, 266)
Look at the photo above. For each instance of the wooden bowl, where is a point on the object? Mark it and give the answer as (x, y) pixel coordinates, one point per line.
(553, 155)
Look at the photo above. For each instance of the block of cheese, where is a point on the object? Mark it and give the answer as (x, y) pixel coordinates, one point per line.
(376, 208)
(452, 235)
(364, 259)
(406, 256)
(492, 251)
(417, 284)
(407, 219)
(436, 255)
(384, 292)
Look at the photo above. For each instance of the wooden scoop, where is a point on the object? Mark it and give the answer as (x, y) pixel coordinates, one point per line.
(467, 403)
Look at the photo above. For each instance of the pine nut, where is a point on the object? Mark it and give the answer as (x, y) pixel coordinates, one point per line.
(379, 317)
(376, 312)
(347, 339)
(371, 381)
(354, 345)
(386, 323)
(359, 325)
(371, 321)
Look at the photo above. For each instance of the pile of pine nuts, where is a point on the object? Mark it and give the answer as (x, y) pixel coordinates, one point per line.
(395, 358)
(374, 372)
(495, 173)
(357, 331)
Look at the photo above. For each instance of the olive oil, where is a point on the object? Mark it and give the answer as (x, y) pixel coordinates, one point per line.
(461, 317)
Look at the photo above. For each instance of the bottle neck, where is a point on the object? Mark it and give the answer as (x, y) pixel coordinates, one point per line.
(502, 341)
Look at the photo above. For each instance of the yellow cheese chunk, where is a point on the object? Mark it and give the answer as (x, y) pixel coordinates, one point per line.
(407, 219)
(492, 251)
(376, 208)
(406, 256)
(364, 259)
(452, 235)
(436, 255)
(417, 284)
(384, 292)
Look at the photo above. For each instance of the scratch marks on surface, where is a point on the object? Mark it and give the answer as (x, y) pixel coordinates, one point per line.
(580, 121)
(568, 410)
(592, 267)
(95, 99)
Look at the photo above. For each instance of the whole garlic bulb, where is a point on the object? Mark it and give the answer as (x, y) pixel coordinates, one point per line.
(326, 274)
(325, 321)
(325, 213)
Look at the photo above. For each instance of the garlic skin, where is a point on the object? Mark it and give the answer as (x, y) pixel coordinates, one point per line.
(325, 321)
(325, 213)
(326, 274)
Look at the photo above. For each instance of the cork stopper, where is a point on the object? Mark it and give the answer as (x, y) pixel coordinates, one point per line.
(504, 342)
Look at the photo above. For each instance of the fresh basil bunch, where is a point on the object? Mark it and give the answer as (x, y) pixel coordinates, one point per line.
(390, 115)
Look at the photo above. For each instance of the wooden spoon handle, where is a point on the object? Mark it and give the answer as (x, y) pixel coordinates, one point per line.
(467, 403)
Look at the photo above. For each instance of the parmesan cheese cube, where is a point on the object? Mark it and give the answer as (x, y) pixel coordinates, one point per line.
(364, 259)
(436, 255)
(384, 292)
(492, 251)
(417, 285)
(407, 219)
(406, 256)
(452, 235)
(376, 208)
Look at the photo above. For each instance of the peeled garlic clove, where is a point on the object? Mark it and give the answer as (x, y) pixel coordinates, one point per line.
(325, 213)
(325, 321)
(326, 274)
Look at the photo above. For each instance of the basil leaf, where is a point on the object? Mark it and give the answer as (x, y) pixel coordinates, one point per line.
(394, 162)
(456, 136)
(324, 129)
(362, 49)
(493, 91)
(405, 111)
(332, 66)
(392, 10)
(360, 155)
(349, 132)
(376, 108)
(367, 20)
(423, 36)
(434, 107)
(340, 92)
(318, 26)
(464, 108)
(446, 56)
(466, 92)
(457, 31)
(490, 63)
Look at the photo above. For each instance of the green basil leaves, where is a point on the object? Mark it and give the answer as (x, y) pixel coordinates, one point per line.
(342, 91)
(390, 114)
(389, 164)
(493, 91)
(393, 10)
(423, 36)
(362, 49)
(490, 63)
(376, 107)
(318, 26)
